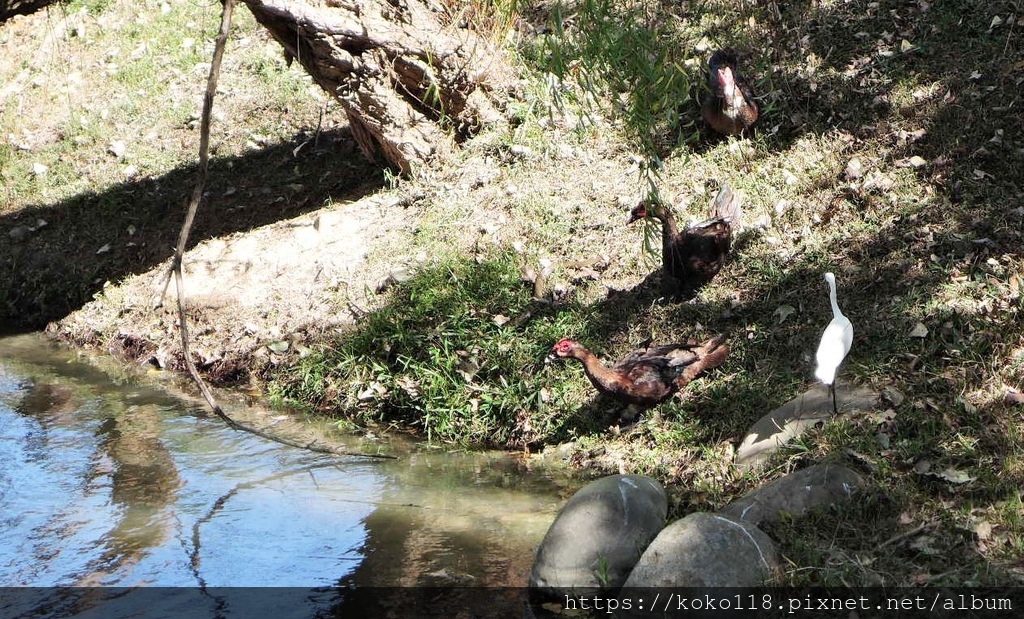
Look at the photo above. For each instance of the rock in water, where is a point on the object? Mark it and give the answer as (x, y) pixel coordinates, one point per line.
(598, 536)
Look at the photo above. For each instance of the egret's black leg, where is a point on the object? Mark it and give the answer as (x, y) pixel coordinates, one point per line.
(835, 408)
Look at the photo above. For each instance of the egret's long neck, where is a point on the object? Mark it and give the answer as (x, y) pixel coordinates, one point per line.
(832, 298)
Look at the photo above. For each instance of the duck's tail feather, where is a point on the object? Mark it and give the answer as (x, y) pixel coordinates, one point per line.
(710, 354)
(728, 206)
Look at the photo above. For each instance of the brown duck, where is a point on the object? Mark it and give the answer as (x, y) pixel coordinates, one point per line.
(649, 375)
(695, 255)
(730, 107)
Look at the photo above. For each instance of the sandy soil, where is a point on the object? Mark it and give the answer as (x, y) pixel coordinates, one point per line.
(251, 296)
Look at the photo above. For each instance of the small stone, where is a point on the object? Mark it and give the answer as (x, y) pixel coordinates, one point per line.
(278, 347)
(117, 148)
(854, 169)
(521, 151)
(795, 417)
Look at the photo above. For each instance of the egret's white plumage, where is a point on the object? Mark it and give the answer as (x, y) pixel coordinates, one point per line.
(835, 342)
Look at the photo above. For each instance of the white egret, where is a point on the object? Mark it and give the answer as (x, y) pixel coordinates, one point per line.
(835, 343)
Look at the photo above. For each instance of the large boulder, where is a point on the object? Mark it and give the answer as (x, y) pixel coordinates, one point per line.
(705, 550)
(796, 494)
(782, 425)
(598, 536)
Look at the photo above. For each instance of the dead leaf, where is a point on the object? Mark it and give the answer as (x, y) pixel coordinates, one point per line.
(983, 530)
(468, 369)
(784, 312)
(894, 395)
(410, 386)
(374, 390)
(923, 544)
(1014, 397)
(919, 330)
(922, 466)
(879, 418)
(954, 476)
(500, 319)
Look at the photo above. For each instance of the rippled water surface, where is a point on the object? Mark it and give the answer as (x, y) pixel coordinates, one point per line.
(118, 482)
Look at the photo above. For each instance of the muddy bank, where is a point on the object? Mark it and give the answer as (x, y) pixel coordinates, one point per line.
(252, 298)
(259, 297)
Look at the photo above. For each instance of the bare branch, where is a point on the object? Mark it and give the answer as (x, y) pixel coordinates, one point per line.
(179, 253)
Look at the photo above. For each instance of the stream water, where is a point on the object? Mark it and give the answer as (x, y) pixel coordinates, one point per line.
(114, 483)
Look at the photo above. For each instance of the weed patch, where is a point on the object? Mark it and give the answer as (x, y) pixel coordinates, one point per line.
(457, 351)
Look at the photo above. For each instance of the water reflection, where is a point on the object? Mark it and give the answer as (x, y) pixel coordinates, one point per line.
(112, 482)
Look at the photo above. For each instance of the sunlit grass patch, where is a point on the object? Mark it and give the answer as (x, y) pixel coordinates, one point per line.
(457, 351)
(627, 60)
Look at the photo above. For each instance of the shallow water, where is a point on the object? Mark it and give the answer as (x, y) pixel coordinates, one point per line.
(116, 481)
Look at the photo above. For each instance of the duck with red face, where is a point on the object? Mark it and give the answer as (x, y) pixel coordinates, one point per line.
(648, 375)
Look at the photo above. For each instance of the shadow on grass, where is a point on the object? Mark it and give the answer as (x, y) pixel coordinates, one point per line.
(936, 241)
(844, 69)
(10, 8)
(49, 270)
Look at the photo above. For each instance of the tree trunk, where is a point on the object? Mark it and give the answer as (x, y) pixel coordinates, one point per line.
(10, 8)
(410, 81)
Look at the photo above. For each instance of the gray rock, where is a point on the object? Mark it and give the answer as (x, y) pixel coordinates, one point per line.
(598, 536)
(796, 494)
(794, 418)
(705, 550)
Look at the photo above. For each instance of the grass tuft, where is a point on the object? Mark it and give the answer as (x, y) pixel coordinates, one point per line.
(457, 352)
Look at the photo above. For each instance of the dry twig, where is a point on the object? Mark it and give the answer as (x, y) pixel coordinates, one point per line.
(179, 252)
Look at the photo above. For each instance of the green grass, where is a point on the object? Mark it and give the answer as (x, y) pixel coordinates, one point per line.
(627, 59)
(456, 353)
(608, 105)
